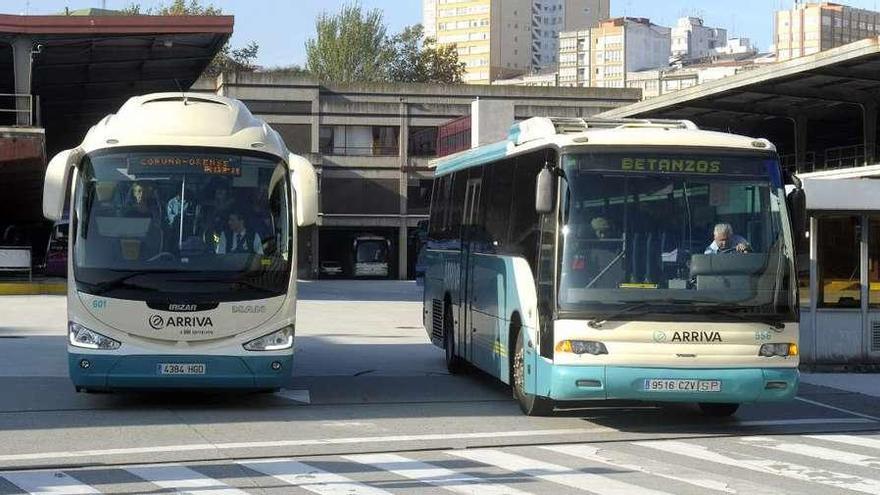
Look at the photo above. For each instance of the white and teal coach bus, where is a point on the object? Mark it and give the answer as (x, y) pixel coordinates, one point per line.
(633, 259)
(181, 267)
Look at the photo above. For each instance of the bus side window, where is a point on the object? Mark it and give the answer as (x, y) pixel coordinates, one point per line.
(497, 197)
(524, 232)
(453, 226)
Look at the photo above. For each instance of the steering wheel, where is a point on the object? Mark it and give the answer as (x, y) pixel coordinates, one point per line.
(162, 255)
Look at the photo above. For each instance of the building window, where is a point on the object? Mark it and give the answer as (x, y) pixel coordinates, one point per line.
(839, 267)
(359, 140)
(422, 141)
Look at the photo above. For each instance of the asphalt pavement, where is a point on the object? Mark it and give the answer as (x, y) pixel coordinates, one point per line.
(371, 409)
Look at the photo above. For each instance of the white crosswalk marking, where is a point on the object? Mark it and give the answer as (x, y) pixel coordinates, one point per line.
(871, 443)
(694, 477)
(434, 475)
(183, 480)
(48, 483)
(773, 466)
(814, 451)
(311, 478)
(600, 485)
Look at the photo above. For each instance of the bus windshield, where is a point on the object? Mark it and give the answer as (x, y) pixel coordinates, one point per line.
(372, 251)
(211, 225)
(674, 233)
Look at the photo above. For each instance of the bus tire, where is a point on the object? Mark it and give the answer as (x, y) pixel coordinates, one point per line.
(718, 410)
(531, 405)
(454, 363)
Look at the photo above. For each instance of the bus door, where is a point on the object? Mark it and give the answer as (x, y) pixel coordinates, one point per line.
(470, 222)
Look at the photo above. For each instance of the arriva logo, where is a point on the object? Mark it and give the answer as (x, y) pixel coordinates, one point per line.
(158, 322)
(659, 336)
(700, 337)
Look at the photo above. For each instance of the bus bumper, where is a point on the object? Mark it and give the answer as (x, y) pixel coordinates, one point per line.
(739, 385)
(118, 372)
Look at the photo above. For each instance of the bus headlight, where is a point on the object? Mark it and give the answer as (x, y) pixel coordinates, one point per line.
(275, 341)
(581, 347)
(783, 350)
(81, 336)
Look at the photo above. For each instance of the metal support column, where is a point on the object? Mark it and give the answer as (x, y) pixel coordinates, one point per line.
(869, 125)
(402, 238)
(864, 285)
(22, 67)
(800, 139)
(814, 285)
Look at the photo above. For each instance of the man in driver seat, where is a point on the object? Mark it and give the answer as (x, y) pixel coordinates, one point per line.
(726, 241)
(237, 239)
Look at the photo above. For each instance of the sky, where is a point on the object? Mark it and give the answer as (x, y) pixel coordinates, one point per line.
(282, 27)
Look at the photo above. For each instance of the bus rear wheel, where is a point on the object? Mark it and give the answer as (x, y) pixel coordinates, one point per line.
(454, 363)
(718, 410)
(531, 405)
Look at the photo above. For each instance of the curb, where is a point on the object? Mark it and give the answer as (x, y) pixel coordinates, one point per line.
(33, 288)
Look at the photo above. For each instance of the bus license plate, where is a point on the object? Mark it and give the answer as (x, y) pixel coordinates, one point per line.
(181, 368)
(667, 385)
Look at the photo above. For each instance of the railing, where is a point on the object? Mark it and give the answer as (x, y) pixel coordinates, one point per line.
(18, 110)
(845, 156)
(788, 162)
(361, 150)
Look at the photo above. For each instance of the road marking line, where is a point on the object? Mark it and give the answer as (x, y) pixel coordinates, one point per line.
(592, 454)
(803, 421)
(598, 484)
(838, 409)
(295, 395)
(183, 480)
(768, 466)
(871, 443)
(814, 451)
(303, 443)
(433, 475)
(48, 483)
(311, 478)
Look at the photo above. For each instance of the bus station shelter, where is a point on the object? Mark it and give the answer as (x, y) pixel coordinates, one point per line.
(821, 112)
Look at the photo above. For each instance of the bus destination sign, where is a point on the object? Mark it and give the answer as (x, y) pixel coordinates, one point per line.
(205, 164)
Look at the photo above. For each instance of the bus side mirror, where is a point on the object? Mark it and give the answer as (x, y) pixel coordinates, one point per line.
(545, 192)
(305, 185)
(796, 201)
(55, 184)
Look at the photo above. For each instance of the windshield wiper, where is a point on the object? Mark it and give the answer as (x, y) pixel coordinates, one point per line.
(598, 323)
(751, 317)
(123, 282)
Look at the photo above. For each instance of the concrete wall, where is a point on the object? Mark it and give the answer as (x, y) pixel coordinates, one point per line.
(300, 107)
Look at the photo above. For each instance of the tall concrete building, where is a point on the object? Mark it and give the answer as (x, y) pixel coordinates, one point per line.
(810, 28)
(692, 40)
(603, 55)
(498, 39)
(550, 17)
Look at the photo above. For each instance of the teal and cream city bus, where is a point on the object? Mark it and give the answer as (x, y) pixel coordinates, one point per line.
(632, 259)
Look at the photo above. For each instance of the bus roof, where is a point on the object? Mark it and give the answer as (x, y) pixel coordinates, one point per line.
(184, 119)
(542, 132)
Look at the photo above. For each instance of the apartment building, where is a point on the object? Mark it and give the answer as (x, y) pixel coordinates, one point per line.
(692, 39)
(550, 17)
(810, 28)
(602, 56)
(500, 39)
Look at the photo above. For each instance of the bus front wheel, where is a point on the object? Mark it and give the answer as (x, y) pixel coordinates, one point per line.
(716, 410)
(531, 405)
(453, 362)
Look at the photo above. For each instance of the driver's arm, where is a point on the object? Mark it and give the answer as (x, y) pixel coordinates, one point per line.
(221, 245)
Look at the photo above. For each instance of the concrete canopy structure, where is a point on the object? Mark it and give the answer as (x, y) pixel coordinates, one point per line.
(820, 111)
(64, 73)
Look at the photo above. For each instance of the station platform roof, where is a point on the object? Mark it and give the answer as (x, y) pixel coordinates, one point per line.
(830, 93)
(86, 66)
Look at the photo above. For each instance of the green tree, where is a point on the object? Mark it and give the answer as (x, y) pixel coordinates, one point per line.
(349, 46)
(227, 59)
(419, 59)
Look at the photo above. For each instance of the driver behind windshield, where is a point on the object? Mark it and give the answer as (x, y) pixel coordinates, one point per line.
(726, 241)
(238, 239)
